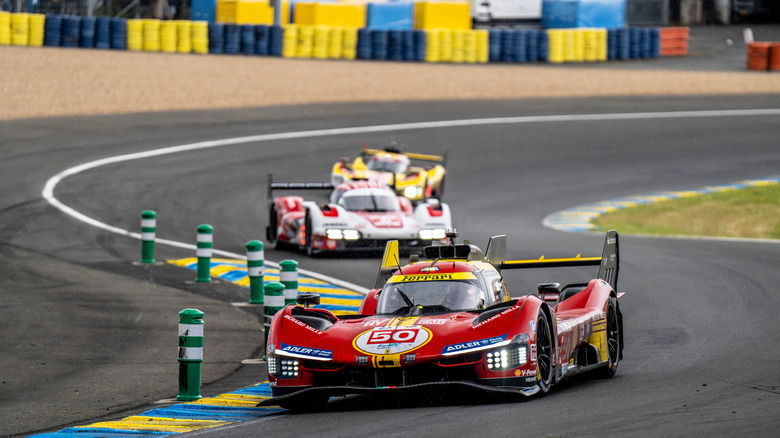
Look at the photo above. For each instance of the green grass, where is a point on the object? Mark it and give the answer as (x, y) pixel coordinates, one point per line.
(751, 213)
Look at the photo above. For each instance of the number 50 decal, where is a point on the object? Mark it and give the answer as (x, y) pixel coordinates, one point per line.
(392, 340)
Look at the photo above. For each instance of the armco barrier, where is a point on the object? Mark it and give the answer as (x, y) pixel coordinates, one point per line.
(343, 42)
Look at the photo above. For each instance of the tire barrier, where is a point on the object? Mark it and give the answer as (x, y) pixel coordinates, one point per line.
(87, 37)
(103, 33)
(451, 44)
(763, 56)
(52, 30)
(190, 354)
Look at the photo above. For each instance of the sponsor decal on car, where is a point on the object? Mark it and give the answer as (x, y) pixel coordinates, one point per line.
(314, 353)
(392, 340)
(472, 345)
(432, 277)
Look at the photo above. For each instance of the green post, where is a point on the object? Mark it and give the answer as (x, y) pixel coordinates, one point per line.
(205, 244)
(255, 266)
(288, 276)
(274, 302)
(148, 230)
(190, 353)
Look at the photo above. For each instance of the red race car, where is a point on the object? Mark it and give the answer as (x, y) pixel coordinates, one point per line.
(450, 320)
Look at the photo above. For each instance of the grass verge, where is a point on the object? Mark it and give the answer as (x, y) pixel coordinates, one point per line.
(752, 212)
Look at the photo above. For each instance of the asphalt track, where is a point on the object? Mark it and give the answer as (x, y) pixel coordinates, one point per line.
(87, 333)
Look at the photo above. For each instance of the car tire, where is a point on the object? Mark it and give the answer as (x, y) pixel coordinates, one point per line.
(544, 354)
(613, 340)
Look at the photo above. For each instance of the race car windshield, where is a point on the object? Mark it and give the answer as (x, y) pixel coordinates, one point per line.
(387, 166)
(370, 201)
(433, 296)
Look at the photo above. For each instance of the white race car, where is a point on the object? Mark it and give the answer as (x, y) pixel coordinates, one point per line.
(360, 215)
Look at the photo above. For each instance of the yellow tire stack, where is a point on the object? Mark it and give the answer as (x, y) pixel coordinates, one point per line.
(151, 35)
(168, 41)
(459, 46)
(20, 29)
(184, 36)
(200, 37)
(483, 45)
(445, 45)
(470, 52)
(305, 41)
(579, 45)
(290, 41)
(321, 34)
(5, 28)
(336, 43)
(37, 22)
(432, 45)
(349, 50)
(135, 35)
(601, 36)
(556, 43)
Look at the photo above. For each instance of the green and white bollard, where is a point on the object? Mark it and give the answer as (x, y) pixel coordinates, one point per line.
(288, 276)
(190, 353)
(148, 230)
(274, 302)
(255, 266)
(205, 244)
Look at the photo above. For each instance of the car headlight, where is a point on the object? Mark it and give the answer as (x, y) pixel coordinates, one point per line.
(434, 234)
(336, 234)
(285, 368)
(412, 192)
(509, 356)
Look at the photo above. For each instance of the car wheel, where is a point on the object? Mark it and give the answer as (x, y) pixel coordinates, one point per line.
(613, 340)
(311, 403)
(544, 354)
(307, 244)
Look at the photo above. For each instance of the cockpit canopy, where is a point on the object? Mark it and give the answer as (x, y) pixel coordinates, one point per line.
(388, 163)
(367, 199)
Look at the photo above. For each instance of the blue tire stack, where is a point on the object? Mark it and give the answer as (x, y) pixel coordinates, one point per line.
(644, 43)
(248, 39)
(612, 44)
(532, 48)
(379, 44)
(394, 45)
(364, 43)
(494, 45)
(118, 34)
(52, 30)
(520, 38)
(407, 45)
(232, 39)
(655, 42)
(261, 39)
(276, 40)
(420, 44)
(623, 44)
(103, 33)
(543, 52)
(507, 45)
(635, 42)
(87, 32)
(217, 38)
(71, 31)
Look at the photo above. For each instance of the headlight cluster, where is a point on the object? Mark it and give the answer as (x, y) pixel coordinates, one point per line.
(506, 358)
(412, 192)
(284, 368)
(434, 234)
(337, 234)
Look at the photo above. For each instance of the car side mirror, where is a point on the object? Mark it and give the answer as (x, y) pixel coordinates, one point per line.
(308, 299)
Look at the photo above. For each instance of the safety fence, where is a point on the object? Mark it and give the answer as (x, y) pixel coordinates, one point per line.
(331, 42)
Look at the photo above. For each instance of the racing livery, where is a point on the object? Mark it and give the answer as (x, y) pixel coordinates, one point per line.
(393, 167)
(449, 320)
(361, 214)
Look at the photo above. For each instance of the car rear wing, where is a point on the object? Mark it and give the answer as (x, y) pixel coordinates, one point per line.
(608, 263)
(293, 186)
(413, 156)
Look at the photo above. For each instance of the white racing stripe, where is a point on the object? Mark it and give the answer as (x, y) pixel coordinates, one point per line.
(51, 184)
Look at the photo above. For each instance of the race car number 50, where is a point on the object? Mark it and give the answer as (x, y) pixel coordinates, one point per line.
(392, 340)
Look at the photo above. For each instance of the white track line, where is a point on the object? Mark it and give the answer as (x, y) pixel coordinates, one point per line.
(51, 184)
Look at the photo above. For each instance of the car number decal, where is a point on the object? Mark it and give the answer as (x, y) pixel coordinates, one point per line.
(392, 340)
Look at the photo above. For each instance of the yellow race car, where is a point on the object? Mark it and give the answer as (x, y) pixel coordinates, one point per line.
(394, 167)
